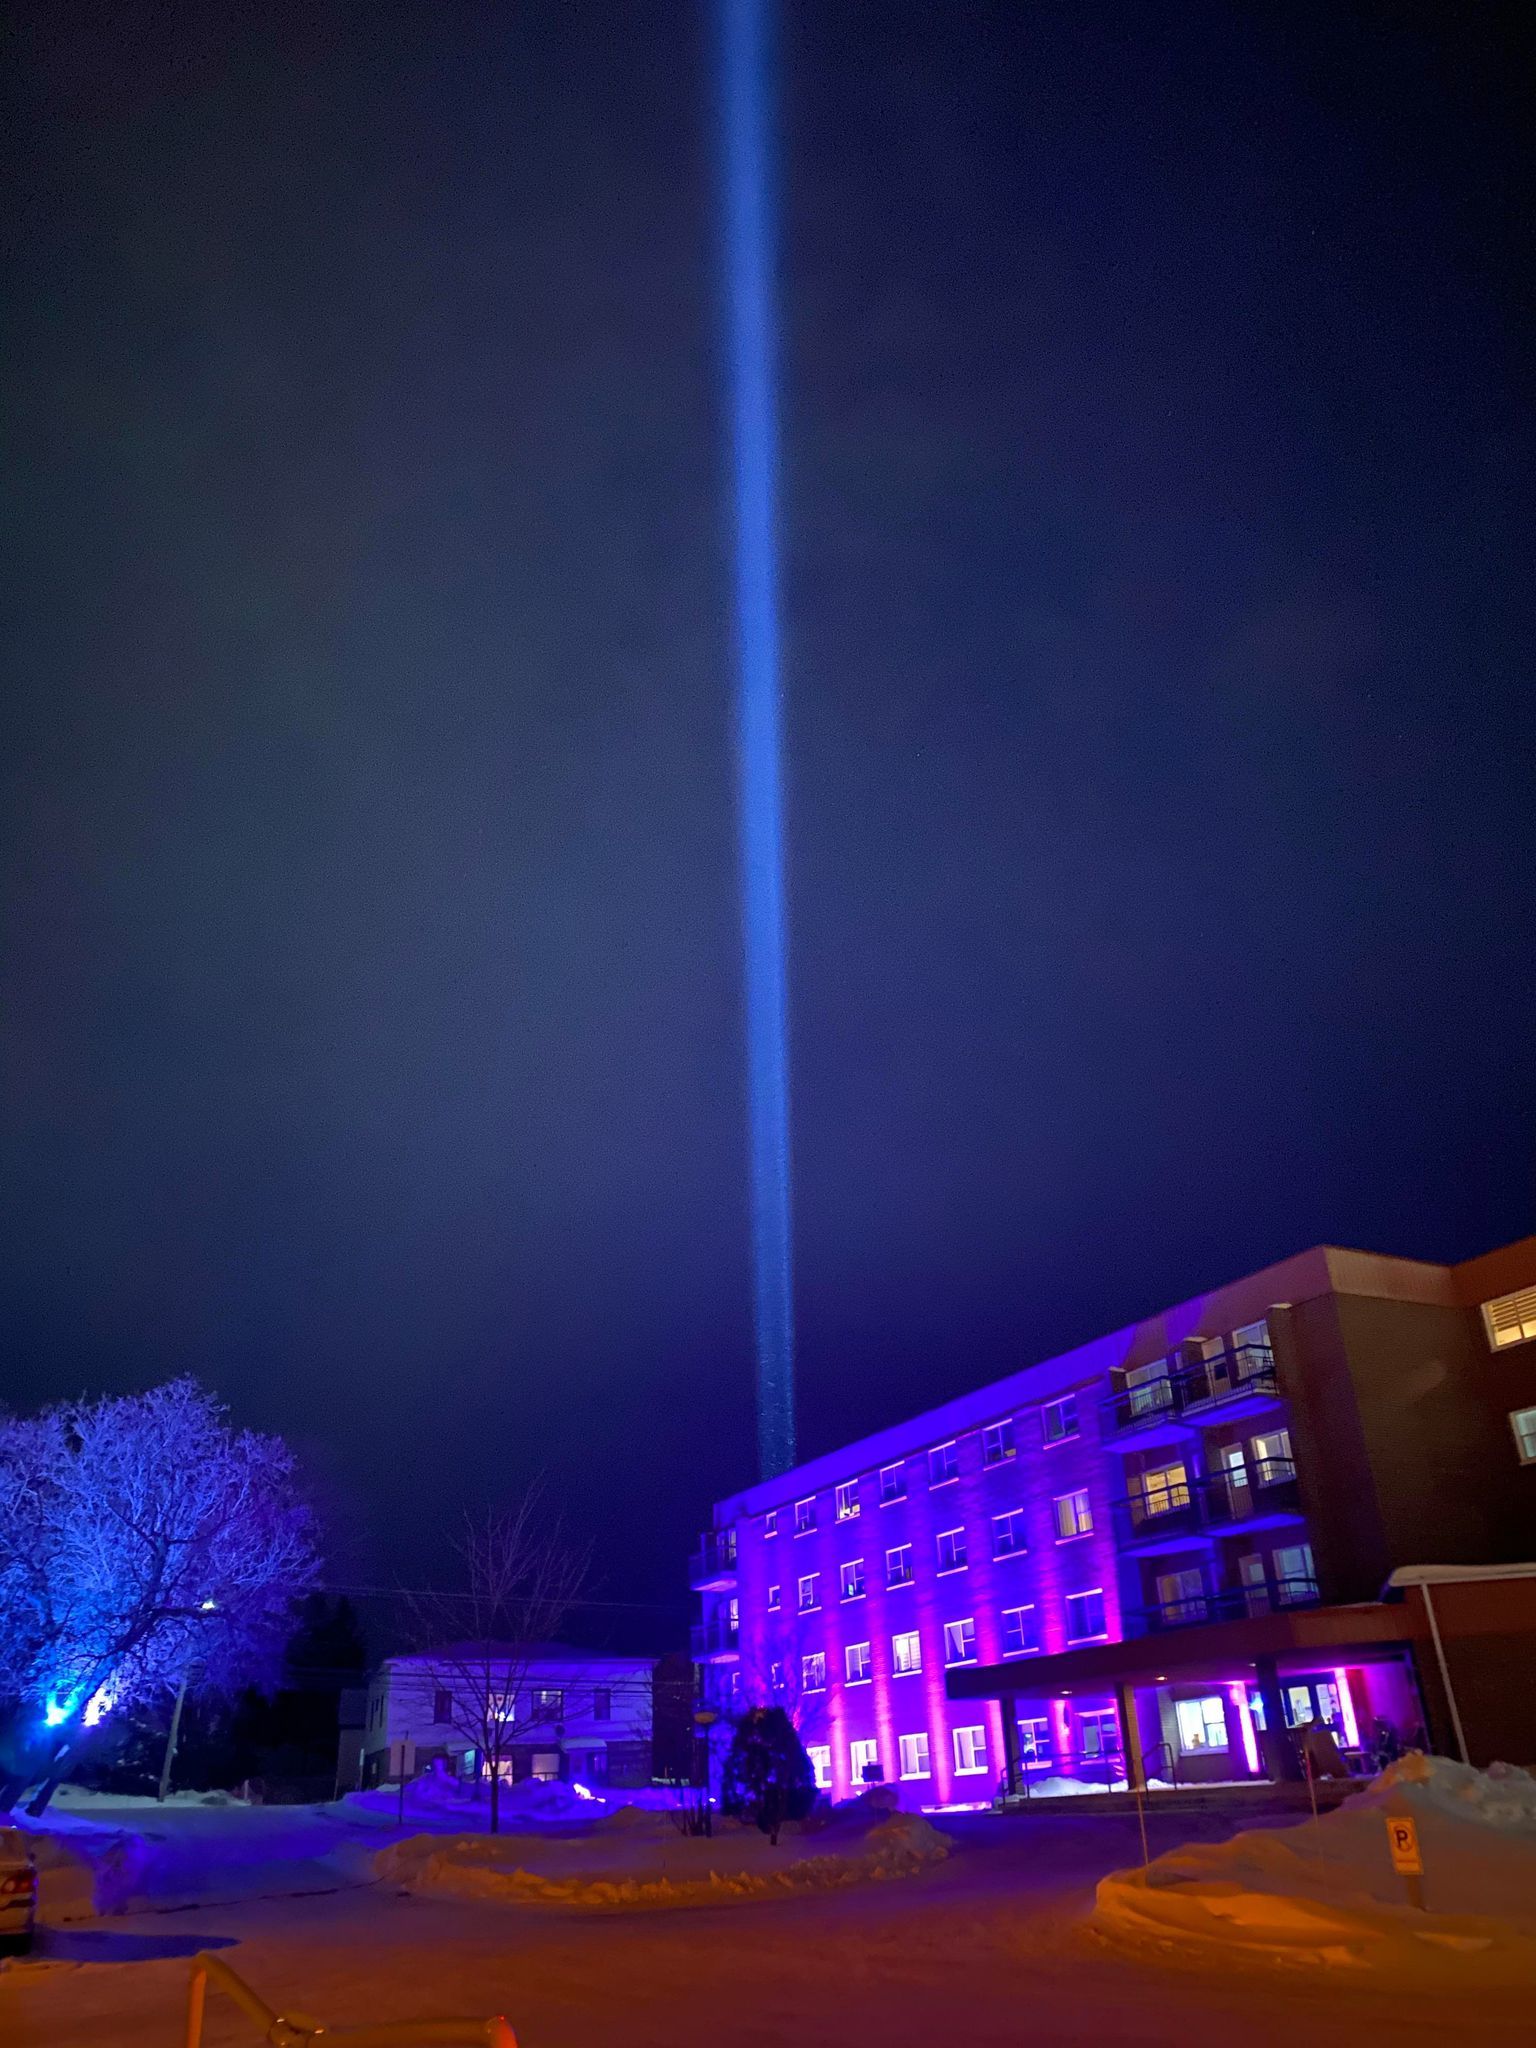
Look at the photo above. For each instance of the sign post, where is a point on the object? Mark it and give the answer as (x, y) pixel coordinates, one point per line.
(1403, 1841)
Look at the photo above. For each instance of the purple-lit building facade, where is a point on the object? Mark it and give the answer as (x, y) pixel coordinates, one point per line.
(981, 1593)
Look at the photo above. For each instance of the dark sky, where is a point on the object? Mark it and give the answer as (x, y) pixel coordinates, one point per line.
(1158, 492)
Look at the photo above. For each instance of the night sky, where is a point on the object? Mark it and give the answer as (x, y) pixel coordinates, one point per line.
(1158, 473)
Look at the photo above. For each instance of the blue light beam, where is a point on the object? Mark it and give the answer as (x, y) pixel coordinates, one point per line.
(749, 228)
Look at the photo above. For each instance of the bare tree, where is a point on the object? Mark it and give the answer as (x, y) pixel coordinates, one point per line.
(481, 1647)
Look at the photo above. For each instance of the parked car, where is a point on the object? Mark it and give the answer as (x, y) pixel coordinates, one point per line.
(18, 1892)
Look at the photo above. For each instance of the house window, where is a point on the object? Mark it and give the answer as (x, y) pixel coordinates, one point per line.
(1074, 1516)
(771, 1522)
(960, 1642)
(808, 1602)
(776, 1675)
(893, 1483)
(1019, 1631)
(943, 1464)
(548, 1703)
(1511, 1319)
(914, 1756)
(864, 1762)
(848, 1501)
(1008, 1533)
(1251, 1352)
(805, 1516)
(951, 1550)
(1295, 1574)
(1148, 1388)
(851, 1579)
(1164, 1488)
(442, 1707)
(1523, 1423)
(602, 1703)
(856, 1663)
(1202, 1724)
(906, 1652)
(813, 1671)
(775, 1599)
(1085, 1615)
(1036, 1745)
(997, 1441)
(1098, 1733)
(898, 1565)
(970, 1752)
(1058, 1419)
(820, 1755)
(1181, 1595)
(1272, 1460)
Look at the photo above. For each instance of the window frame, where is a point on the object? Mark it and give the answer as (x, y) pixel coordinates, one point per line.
(864, 1677)
(1205, 1746)
(908, 1577)
(923, 1756)
(1082, 1525)
(974, 1748)
(1006, 1445)
(898, 1668)
(1522, 1323)
(805, 1515)
(893, 1490)
(775, 1599)
(1031, 1628)
(1087, 1593)
(1013, 1517)
(949, 1455)
(808, 1659)
(802, 1604)
(846, 1492)
(1065, 1436)
(855, 1565)
(965, 1622)
(1525, 1439)
(819, 1756)
(958, 1554)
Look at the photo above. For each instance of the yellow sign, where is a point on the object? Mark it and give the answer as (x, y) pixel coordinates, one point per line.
(1403, 1840)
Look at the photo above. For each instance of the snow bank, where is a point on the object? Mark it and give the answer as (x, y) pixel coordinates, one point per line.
(437, 1796)
(1325, 1892)
(629, 1859)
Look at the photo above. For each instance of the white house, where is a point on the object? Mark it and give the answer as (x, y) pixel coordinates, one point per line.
(574, 1714)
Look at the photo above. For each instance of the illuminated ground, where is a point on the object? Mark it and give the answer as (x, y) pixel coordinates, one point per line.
(989, 1947)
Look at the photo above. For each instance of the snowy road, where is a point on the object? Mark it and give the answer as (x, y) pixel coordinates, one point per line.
(987, 1948)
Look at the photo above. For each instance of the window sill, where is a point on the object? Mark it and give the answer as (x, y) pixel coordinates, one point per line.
(1055, 1443)
(952, 1480)
(959, 1663)
(915, 1672)
(895, 1585)
(948, 1571)
(1002, 1556)
(895, 1501)
(911, 1777)
(857, 1681)
(970, 1770)
(807, 1532)
(847, 1599)
(809, 1610)
(1101, 1637)
(1077, 1536)
(991, 1464)
(1031, 1650)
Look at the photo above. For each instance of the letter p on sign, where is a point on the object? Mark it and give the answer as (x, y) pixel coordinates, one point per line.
(1403, 1838)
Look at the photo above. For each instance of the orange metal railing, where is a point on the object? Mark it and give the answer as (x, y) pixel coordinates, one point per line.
(291, 2030)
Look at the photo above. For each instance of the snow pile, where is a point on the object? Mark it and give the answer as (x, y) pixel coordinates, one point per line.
(437, 1796)
(1326, 1892)
(631, 1859)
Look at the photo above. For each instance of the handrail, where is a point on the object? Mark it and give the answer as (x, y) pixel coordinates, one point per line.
(292, 2030)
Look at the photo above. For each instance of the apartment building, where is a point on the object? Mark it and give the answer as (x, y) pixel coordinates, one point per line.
(1132, 1558)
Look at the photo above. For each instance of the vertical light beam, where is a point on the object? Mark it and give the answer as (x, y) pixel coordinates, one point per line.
(748, 216)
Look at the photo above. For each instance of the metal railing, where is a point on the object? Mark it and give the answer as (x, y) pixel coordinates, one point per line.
(291, 2030)
(1222, 1603)
(715, 1638)
(715, 1559)
(1172, 1509)
(1244, 1374)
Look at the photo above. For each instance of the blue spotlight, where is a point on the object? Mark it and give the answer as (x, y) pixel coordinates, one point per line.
(749, 239)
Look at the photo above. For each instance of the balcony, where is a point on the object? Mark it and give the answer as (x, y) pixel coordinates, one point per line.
(715, 1642)
(1172, 1515)
(1171, 1406)
(1223, 1603)
(712, 1567)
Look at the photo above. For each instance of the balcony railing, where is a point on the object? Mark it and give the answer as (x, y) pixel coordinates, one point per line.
(713, 1564)
(712, 1639)
(1223, 1603)
(1183, 1392)
(1171, 1511)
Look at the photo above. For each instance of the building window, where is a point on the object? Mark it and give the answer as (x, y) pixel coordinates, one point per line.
(856, 1663)
(1058, 1419)
(602, 1703)
(442, 1707)
(776, 1675)
(1181, 1595)
(943, 1464)
(1098, 1734)
(1523, 1423)
(848, 1501)
(914, 1756)
(805, 1516)
(1074, 1516)
(1272, 1460)
(1085, 1615)
(1251, 1351)
(548, 1703)
(997, 1442)
(898, 1565)
(864, 1762)
(970, 1752)
(813, 1671)
(951, 1544)
(1162, 1489)
(820, 1755)
(1148, 1388)
(808, 1601)
(1295, 1574)
(771, 1522)
(1008, 1534)
(1019, 1631)
(1202, 1724)
(893, 1483)
(1036, 1745)
(775, 1599)
(1511, 1319)
(907, 1653)
(960, 1642)
(852, 1579)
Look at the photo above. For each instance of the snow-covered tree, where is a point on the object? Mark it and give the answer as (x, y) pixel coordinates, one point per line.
(142, 1540)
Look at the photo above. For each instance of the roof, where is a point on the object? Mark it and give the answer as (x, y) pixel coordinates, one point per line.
(1456, 1574)
(514, 1653)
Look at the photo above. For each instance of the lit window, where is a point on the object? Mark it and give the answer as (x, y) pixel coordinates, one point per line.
(1098, 1733)
(1511, 1319)
(1085, 1615)
(775, 1599)
(1058, 1419)
(1163, 1489)
(951, 1550)
(1523, 1423)
(1008, 1533)
(805, 1516)
(960, 1642)
(1148, 1387)
(914, 1756)
(1202, 1724)
(813, 1671)
(771, 1522)
(1295, 1574)
(864, 1763)
(1181, 1595)
(548, 1703)
(907, 1652)
(808, 1600)
(1074, 1516)
(1272, 1460)
(1035, 1742)
(856, 1663)
(898, 1565)
(848, 1501)
(1251, 1351)
(851, 1579)
(820, 1756)
(970, 1752)
(997, 1442)
(943, 1464)
(1019, 1631)
(893, 1483)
